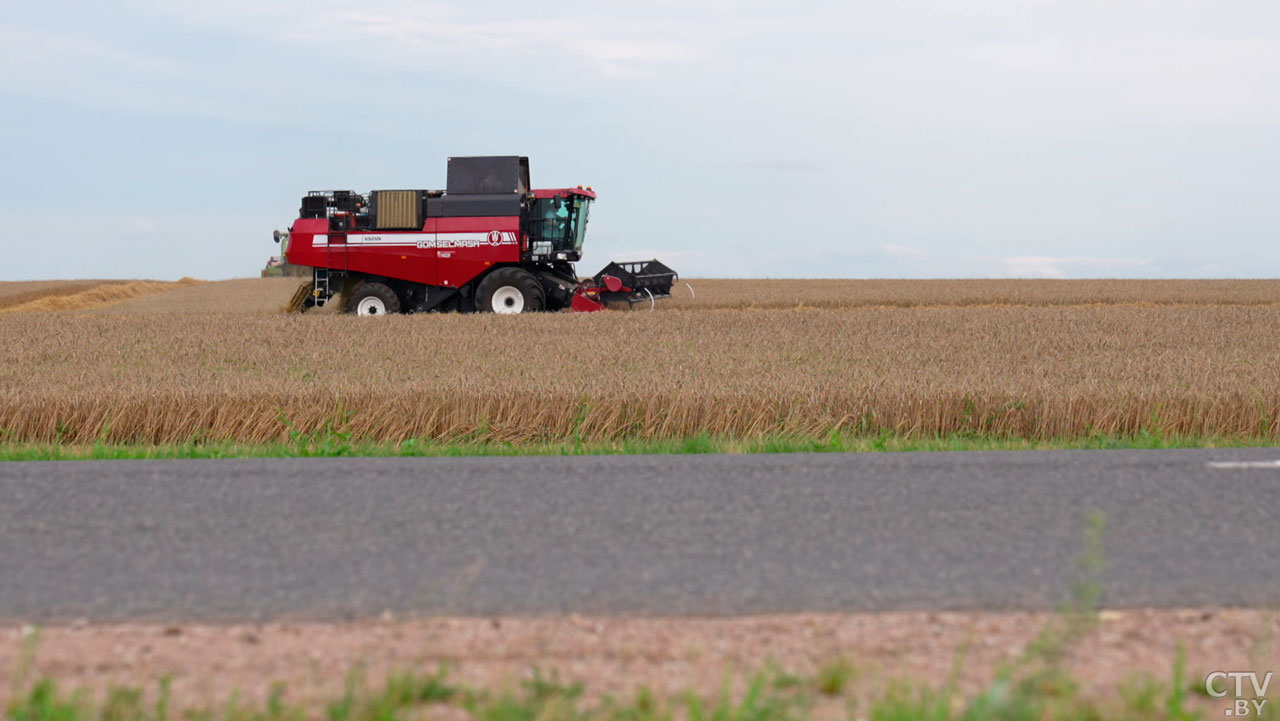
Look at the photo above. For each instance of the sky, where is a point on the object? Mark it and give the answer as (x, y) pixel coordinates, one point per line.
(898, 139)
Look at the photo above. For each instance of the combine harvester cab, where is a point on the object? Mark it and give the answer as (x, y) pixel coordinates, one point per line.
(487, 243)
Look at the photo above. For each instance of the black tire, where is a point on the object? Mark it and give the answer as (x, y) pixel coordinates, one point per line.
(370, 297)
(509, 291)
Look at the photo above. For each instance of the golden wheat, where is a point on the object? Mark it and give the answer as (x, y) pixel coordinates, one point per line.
(266, 296)
(901, 293)
(1028, 371)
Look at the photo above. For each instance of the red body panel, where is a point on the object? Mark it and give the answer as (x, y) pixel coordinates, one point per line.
(583, 303)
(447, 251)
(589, 298)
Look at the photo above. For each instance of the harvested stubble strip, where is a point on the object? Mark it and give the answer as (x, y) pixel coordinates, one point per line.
(1015, 372)
(242, 296)
(14, 293)
(96, 296)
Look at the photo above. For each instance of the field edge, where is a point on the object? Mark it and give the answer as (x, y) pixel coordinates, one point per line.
(337, 445)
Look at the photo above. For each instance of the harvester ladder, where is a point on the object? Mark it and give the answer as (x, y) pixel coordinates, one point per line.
(321, 293)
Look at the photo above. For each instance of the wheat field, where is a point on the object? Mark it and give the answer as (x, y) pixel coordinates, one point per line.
(827, 293)
(1009, 359)
(267, 295)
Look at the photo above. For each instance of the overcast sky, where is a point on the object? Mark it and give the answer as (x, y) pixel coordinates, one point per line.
(162, 138)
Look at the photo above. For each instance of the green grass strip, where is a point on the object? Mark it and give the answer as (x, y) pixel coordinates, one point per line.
(338, 445)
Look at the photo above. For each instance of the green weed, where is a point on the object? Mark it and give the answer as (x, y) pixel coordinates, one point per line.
(334, 439)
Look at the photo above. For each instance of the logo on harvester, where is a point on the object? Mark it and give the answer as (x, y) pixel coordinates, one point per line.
(466, 240)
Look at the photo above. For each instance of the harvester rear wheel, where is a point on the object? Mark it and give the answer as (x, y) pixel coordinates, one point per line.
(509, 291)
(372, 298)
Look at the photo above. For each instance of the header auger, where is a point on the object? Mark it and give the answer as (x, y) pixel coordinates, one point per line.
(487, 243)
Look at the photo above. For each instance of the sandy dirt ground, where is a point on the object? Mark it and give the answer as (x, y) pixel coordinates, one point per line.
(618, 655)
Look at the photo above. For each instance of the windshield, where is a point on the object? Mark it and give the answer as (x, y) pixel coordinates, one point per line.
(562, 221)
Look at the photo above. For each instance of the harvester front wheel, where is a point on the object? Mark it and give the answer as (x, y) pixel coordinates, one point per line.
(373, 298)
(509, 291)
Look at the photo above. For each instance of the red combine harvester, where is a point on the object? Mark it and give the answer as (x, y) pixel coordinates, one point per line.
(486, 243)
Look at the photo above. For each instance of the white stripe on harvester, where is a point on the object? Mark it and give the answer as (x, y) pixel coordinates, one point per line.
(421, 240)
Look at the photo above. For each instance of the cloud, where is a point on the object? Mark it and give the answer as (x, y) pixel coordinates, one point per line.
(1040, 266)
(743, 138)
(782, 165)
(139, 224)
(902, 250)
(693, 263)
(916, 262)
(84, 70)
(599, 38)
(41, 49)
(889, 261)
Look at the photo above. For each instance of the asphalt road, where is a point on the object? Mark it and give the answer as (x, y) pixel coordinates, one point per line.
(340, 538)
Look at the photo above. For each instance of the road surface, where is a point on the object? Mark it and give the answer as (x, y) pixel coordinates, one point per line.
(342, 538)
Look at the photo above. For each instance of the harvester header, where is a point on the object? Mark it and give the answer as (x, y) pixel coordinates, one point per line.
(488, 242)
